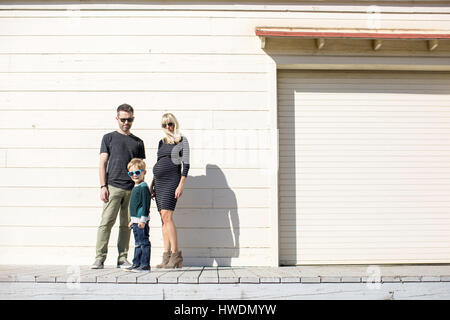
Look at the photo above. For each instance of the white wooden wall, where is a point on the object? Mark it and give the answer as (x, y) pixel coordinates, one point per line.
(64, 69)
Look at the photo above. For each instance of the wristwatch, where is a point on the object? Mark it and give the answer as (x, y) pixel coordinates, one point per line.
(105, 185)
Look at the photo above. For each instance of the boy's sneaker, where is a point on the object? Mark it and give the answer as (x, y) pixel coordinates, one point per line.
(131, 268)
(98, 264)
(123, 264)
(141, 269)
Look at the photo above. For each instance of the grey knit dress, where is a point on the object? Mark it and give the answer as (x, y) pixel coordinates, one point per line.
(167, 172)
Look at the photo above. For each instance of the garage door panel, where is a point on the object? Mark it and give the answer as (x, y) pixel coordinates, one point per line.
(364, 167)
(365, 237)
(346, 104)
(372, 148)
(314, 203)
(388, 246)
(374, 229)
(359, 178)
(367, 161)
(339, 114)
(400, 75)
(433, 211)
(366, 136)
(352, 220)
(362, 119)
(370, 164)
(287, 151)
(363, 256)
(354, 99)
(365, 191)
(367, 124)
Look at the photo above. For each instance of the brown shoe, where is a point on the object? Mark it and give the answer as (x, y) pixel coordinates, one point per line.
(176, 260)
(166, 258)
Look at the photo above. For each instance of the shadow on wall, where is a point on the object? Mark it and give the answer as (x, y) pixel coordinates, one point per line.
(211, 235)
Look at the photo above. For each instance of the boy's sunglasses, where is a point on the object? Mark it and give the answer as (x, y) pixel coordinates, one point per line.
(137, 172)
(170, 124)
(126, 119)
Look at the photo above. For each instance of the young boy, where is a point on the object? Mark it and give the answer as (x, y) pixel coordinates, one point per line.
(139, 213)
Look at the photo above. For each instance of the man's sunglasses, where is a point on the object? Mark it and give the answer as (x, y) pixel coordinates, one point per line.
(126, 119)
(137, 172)
(170, 124)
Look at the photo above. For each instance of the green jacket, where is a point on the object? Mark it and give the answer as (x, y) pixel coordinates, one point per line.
(140, 203)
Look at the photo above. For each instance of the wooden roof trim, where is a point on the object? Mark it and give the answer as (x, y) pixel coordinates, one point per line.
(352, 35)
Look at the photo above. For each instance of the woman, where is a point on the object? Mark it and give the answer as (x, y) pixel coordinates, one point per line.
(167, 185)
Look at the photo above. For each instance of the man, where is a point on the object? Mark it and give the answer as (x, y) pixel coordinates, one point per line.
(116, 151)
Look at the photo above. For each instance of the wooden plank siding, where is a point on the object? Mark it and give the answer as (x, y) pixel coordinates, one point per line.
(62, 98)
(65, 67)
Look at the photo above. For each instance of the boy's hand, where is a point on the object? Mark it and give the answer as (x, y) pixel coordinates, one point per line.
(141, 225)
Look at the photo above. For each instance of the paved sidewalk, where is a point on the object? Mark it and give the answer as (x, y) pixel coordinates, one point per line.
(227, 275)
(361, 282)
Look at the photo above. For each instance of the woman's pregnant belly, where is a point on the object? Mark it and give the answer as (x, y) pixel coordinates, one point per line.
(164, 167)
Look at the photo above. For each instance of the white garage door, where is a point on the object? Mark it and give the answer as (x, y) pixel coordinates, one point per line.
(364, 167)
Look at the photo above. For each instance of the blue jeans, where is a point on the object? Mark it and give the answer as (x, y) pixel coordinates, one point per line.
(142, 245)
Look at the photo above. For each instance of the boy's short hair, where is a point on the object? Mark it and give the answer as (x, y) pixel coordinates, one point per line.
(125, 107)
(136, 162)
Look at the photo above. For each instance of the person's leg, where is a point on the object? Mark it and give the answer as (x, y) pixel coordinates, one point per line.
(170, 229)
(165, 234)
(123, 241)
(176, 258)
(109, 215)
(137, 247)
(145, 246)
(166, 243)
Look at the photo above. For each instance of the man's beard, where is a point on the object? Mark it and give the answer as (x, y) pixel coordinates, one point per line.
(125, 129)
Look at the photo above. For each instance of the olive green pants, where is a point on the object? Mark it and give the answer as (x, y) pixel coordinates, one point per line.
(119, 200)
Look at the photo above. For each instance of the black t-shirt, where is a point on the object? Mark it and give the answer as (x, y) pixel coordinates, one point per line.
(121, 149)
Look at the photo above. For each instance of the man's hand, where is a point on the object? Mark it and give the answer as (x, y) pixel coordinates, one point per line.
(104, 194)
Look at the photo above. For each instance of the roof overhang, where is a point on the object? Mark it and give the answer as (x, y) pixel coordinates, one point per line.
(433, 36)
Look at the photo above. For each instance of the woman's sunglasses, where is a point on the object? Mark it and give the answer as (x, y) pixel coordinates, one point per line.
(170, 124)
(137, 172)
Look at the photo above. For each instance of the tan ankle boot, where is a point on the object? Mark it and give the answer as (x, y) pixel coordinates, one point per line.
(166, 258)
(176, 260)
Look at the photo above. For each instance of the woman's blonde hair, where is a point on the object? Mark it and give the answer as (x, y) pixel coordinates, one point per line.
(170, 137)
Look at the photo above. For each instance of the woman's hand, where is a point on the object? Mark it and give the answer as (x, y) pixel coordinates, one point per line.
(152, 189)
(152, 192)
(141, 225)
(178, 192)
